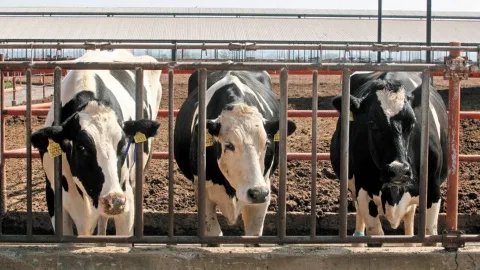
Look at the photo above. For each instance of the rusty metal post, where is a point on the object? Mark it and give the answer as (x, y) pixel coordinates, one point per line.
(139, 153)
(44, 84)
(344, 146)
(14, 91)
(201, 152)
(457, 70)
(3, 181)
(282, 185)
(171, 179)
(28, 123)
(313, 203)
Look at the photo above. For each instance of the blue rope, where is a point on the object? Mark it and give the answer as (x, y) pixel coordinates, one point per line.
(126, 151)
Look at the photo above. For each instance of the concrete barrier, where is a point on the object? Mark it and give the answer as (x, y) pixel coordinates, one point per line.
(233, 258)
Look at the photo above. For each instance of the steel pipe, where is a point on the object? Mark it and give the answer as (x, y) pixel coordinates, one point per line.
(201, 152)
(424, 148)
(171, 179)
(57, 112)
(313, 190)
(139, 155)
(344, 149)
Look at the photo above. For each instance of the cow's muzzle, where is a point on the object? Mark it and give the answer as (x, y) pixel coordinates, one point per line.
(114, 204)
(258, 194)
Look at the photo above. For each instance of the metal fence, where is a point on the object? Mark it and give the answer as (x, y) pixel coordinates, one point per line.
(454, 69)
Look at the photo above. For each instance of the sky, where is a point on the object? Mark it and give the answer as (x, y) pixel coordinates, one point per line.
(437, 5)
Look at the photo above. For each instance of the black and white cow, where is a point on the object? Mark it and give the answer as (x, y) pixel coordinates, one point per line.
(98, 122)
(243, 118)
(384, 151)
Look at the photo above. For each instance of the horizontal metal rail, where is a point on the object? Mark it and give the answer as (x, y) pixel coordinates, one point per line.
(235, 239)
(8, 66)
(237, 46)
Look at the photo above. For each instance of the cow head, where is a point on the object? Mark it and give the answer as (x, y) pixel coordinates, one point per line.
(243, 141)
(386, 117)
(94, 142)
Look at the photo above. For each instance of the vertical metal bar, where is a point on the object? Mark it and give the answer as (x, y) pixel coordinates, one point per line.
(170, 154)
(57, 106)
(344, 145)
(282, 186)
(3, 181)
(424, 152)
(201, 154)
(379, 29)
(429, 30)
(313, 203)
(28, 120)
(139, 154)
(453, 145)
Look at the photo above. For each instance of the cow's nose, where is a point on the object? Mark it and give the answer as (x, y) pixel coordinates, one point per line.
(258, 194)
(400, 169)
(114, 204)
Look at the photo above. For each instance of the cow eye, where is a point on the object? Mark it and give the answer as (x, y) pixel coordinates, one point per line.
(410, 128)
(229, 146)
(374, 127)
(81, 147)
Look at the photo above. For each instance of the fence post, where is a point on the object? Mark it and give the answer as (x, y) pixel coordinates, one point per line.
(14, 92)
(457, 70)
(3, 188)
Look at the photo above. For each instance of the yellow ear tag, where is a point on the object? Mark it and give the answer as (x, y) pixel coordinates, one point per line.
(54, 149)
(139, 137)
(276, 138)
(351, 116)
(208, 139)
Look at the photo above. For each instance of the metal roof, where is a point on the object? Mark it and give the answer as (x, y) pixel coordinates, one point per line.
(206, 29)
(47, 11)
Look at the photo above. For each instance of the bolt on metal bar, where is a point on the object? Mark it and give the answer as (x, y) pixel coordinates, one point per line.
(170, 155)
(424, 147)
(201, 152)
(139, 154)
(282, 185)
(57, 112)
(28, 122)
(313, 202)
(344, 146)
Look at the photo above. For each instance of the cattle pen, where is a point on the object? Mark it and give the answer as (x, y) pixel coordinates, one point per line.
(455, 69)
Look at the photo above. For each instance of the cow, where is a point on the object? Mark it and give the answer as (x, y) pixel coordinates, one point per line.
(241, 153)
(384, 150)
(95, 140)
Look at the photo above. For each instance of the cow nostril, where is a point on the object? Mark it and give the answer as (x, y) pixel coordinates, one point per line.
(258, 195)
(117, 202)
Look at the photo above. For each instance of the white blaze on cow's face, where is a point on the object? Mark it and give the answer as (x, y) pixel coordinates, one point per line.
(243, 143)
(95, 153)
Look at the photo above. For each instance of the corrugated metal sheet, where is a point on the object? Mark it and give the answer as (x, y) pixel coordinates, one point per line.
(243, 11)
(286, 30)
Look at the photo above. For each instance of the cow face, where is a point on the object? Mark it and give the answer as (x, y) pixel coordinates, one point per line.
(387, 118)
(242, 141)
(94, 143)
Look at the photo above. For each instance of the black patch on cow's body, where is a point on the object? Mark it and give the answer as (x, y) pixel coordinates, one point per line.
(50, 196)
(218, 149)
(64, 183)
(186, 140)
(372, 209)
(368, 176)
(79, 191)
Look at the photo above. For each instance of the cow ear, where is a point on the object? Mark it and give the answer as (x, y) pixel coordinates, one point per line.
(40, 137)
(147, 127)
(213, 127)
(272, 127)
(355, 104)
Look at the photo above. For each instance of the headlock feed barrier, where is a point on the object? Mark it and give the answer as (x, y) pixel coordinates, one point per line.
(455, 69)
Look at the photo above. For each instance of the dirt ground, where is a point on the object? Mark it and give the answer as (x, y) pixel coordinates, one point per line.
(299, 172)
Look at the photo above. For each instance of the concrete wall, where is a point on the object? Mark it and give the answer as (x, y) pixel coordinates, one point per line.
(233, 258)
